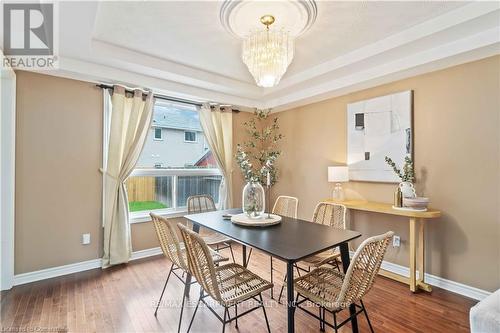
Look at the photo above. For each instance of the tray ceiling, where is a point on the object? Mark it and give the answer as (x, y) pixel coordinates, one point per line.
(182, 48)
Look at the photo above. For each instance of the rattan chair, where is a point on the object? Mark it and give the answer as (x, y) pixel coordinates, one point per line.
(333, 215)
(205, 203)
(330, 214)
(333, 291)
(228, 285)
(284, 206)
(175, 251)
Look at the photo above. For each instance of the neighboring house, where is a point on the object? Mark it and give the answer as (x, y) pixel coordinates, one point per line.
(207, 160)
(175, 139)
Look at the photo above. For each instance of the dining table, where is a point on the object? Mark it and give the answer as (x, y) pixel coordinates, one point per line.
(291, 241)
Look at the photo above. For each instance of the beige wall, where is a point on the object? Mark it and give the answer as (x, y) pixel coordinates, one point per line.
(456, 126)
(58, 185)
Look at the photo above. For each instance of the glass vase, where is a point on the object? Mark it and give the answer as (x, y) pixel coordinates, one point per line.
(253, 200)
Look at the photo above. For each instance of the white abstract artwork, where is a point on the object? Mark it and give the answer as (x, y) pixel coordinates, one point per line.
(377, 128)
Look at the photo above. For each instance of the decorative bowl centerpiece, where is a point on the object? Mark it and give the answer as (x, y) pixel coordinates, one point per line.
(263, 221)
(418, 203)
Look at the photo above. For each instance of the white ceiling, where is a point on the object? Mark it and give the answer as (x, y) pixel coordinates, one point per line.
(180, 47)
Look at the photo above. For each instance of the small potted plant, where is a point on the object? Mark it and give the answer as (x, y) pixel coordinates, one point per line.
(407, 176)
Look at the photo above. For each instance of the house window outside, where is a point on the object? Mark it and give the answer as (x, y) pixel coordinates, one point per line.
(169, 171)
(189, 136)
(158, 134)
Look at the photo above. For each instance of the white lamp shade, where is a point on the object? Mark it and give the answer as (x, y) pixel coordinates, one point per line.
(338, 174)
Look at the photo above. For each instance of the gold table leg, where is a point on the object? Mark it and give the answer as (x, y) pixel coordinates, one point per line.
(413, 254)
(421, 258)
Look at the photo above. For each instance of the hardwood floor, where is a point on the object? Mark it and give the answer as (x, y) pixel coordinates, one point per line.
(122, 299)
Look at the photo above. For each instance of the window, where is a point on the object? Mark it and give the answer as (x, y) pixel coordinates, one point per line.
(169, 171)
(189, 136)
(158, 133)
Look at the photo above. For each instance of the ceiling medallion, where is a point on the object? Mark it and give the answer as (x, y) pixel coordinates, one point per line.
(268, 51)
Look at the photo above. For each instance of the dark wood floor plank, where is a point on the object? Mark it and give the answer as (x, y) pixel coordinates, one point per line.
(122, 299)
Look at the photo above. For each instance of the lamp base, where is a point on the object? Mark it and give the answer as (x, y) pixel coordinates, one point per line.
(338, 192)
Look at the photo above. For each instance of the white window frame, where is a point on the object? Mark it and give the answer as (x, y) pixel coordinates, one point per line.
(143, 216)
(195, 137)
(154, 134)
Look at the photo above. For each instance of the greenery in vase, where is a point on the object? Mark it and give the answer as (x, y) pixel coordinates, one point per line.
(256, 157)
(408, 173)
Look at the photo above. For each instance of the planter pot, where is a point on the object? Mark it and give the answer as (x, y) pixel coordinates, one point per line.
(407, 189)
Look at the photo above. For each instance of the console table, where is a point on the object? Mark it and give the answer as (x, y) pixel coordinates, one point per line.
(416, 220)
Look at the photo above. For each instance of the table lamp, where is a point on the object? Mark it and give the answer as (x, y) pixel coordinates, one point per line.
(338, 175)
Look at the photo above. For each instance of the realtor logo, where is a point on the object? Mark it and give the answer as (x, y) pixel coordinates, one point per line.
(28, 35)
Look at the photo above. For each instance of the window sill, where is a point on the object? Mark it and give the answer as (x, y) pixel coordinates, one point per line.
(142, 217)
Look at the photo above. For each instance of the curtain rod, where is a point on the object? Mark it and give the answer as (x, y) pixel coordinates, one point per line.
(162, 97)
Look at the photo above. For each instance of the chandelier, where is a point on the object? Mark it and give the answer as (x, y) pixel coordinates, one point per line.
(267, 53)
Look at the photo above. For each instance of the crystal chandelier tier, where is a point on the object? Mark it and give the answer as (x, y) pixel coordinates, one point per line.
(267, 53)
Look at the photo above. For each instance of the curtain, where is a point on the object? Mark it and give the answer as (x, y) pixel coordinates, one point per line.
(129, 125)
(217, 125)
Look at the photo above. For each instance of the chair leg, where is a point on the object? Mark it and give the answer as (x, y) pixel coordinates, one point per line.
(265, 314)
(272, 288)
(281, 291)
(224, 321)
(232, 254)
(321, 319)
(249, 255)
(298, 270)
(335, 321)
(366, 315)
(164, 287)
(182, 305)
(337, 265)
(195, 309)
(236, 314)
(182, 310)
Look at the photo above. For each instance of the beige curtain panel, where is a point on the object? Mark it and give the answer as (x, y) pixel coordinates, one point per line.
(217, 125)
(130, 122)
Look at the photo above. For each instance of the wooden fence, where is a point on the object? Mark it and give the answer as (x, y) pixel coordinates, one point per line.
(141, 189)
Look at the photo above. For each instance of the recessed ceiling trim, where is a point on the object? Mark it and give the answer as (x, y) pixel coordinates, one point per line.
(240, 17)
(405, 37)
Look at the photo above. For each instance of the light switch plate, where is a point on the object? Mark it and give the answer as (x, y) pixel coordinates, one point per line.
(396, 241)
(86, 239)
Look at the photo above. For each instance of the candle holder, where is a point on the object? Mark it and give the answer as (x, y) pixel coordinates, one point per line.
(268, 187)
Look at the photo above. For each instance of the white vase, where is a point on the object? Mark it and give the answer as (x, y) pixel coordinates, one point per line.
(253, 200)
(408, 190)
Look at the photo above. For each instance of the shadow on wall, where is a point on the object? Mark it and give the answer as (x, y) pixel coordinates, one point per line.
(444, 232)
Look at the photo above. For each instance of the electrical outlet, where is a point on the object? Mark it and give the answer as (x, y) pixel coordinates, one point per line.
(86, 239)
(396, 241)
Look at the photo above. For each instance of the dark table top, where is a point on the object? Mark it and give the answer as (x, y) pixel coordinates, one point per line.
(291, 240)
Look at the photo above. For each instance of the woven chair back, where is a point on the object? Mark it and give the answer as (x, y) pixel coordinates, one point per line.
(331, 214)
(364, 267)
(286, 206)
(200, 204)
(200, 262)
(169, 241)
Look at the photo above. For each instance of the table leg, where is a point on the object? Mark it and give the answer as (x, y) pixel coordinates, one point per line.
(196, 228)
(290, 299)
(421, 258)
(244, 250)
(413, 254)
(346, 260)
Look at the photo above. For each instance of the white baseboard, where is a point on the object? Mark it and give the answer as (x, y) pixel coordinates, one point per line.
(75, 268)
(436, 281)
(146, 253)
(52, 272)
